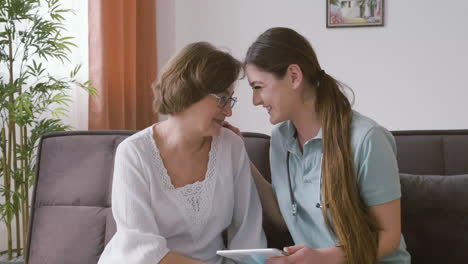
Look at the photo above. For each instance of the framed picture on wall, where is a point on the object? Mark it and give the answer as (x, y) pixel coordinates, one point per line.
(355, 13)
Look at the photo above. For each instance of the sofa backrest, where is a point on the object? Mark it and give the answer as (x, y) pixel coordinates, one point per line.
(432, 152)
(71, 219)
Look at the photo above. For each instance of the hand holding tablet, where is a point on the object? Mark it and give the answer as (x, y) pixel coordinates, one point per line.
(251, 256)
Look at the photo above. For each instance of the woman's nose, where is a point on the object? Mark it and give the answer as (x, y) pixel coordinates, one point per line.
(256, 100)
(227, 110)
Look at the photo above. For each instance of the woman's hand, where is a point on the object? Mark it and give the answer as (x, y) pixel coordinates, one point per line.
(234, 129)
(301, 254)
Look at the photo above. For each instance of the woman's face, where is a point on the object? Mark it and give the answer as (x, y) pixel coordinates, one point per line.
(207, 115)
(276, 95)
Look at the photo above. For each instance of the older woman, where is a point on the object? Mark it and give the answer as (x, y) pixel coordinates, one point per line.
(180, 183)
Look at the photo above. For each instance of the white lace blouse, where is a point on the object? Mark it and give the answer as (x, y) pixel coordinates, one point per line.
(154, 218)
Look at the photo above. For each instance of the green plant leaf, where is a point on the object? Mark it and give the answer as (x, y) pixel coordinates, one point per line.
(33, 100)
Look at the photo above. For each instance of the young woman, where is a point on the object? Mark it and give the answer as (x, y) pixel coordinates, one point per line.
(180, 183)
(334, 171)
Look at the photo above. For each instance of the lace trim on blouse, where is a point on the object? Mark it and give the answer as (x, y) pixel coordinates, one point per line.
(195, 198)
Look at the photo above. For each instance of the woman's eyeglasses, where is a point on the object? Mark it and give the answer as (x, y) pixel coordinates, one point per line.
(225, 100)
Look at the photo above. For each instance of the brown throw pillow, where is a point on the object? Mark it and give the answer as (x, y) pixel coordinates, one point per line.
(435, 217)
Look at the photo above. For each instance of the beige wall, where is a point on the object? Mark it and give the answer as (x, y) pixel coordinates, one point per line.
(410, 74)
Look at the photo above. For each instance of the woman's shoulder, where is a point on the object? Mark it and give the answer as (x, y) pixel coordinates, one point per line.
(365, 130)
(228, 138)
(136, 142)
(361, 124)
(230, 148)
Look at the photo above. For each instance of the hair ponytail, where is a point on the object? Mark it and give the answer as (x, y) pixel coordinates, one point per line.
(351, 221)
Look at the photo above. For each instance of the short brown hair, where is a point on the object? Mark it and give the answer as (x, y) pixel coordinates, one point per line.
(198, 70)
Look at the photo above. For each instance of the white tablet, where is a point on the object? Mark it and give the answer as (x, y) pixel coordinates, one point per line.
(251, 256)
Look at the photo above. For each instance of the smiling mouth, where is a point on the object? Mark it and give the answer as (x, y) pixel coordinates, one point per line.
(268, 108)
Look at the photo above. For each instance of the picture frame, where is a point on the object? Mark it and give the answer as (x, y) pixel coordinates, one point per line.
(355, 13)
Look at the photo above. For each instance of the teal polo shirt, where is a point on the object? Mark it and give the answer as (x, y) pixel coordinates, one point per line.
(376, 170)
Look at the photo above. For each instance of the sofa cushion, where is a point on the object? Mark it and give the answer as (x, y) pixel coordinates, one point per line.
(68, 234)
(435, 217)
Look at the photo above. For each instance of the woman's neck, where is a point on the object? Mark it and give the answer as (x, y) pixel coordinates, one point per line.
(176, 135)
(306, 121)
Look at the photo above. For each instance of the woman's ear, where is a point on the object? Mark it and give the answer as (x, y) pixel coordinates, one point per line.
(295, 76)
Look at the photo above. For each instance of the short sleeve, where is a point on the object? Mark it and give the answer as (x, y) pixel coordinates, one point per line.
(137, 239)
(378, 176)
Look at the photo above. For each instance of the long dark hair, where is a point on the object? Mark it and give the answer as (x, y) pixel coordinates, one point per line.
(351, 221)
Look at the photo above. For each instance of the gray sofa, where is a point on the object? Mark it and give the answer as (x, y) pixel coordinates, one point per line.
(71, 219)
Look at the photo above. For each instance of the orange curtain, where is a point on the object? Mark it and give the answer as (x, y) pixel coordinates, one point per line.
(122, 63)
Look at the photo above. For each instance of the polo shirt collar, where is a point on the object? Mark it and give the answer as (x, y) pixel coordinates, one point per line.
(289, 135)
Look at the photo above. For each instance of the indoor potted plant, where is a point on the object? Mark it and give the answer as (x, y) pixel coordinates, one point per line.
(32, 101)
